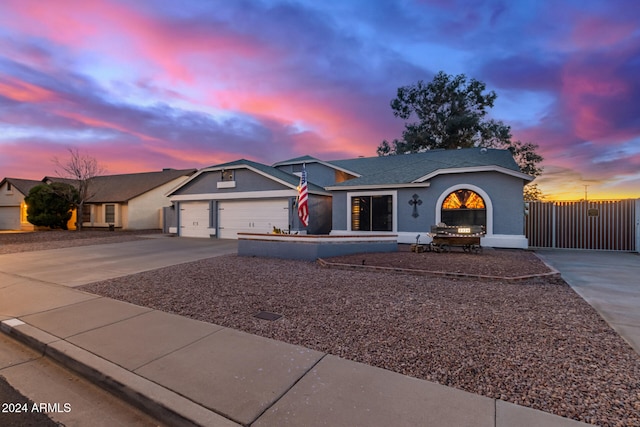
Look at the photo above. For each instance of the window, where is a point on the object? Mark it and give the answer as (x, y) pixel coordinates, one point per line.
(110, 214)
(9, 188)
(228, 175)
(464, 207)
(86, 213)
(372, 213)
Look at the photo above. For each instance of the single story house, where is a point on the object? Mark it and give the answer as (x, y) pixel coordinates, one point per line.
(128, 201)
(13, 210)
(403, 195)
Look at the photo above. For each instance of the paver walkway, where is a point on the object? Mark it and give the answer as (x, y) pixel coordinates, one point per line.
(185, 371)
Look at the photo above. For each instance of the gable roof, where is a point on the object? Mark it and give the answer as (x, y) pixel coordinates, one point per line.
(310, 159)
(122, 188)
(22, 185)
(415, 169)
(270, 172)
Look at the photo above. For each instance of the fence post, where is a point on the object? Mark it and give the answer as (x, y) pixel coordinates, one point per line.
(553, 224)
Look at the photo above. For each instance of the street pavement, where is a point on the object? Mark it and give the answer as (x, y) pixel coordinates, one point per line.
(187, 372)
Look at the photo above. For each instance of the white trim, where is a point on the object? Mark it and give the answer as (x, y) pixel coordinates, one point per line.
(233, 167)
(489, 168)
(240, 166)
(487, 203)
(231, 196)
(394, 208)
(512, 241)
(385, 237)
(378, 186)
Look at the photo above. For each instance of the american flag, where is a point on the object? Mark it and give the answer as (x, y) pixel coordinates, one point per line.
(303, 198)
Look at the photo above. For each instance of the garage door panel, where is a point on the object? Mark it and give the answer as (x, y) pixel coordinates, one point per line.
(194, 219)
(9, 218)
(256, 216)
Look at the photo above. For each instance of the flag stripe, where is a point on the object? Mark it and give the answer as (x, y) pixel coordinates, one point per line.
(303, 198)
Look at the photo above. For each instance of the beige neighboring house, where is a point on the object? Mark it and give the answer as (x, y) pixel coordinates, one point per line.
(13, 210)
(129, 201)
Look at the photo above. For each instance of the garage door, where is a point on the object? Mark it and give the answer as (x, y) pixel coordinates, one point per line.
(9, 218)
(252, 216)
(194, 219)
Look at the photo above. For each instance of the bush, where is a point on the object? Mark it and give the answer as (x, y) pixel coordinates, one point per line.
(51, 205)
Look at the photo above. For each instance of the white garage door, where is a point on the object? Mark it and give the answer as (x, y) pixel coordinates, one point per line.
(252, 216)
(9, 218)
(194, 219)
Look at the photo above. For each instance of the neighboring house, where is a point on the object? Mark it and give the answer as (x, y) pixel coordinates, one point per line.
(403, 195)
(13, 210)
(129, 201)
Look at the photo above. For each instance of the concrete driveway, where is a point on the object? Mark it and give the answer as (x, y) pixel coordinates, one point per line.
(609, 281)
(80, 265)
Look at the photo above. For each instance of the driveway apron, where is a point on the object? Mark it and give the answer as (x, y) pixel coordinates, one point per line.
(609, 281)
(80, 265)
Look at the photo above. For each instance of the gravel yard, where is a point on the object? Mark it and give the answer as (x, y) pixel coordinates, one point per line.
(534, 342)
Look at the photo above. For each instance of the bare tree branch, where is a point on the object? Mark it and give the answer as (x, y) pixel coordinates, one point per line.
(81, 169)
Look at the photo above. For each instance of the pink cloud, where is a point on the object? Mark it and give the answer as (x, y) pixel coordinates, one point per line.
(22, 91)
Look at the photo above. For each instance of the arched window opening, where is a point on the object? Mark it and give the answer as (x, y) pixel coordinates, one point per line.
(464, 207)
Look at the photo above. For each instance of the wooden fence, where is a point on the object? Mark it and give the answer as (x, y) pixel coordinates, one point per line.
(603, 225)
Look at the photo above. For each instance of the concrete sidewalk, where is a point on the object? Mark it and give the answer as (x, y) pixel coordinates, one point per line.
(188, 372)
(609, 281)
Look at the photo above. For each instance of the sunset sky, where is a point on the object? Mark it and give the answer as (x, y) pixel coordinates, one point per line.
(143, 85)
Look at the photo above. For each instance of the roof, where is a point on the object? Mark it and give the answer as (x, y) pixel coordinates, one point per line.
(265, 170)
(310, 159)
(122, 188)
(22, 185)
(418, 167)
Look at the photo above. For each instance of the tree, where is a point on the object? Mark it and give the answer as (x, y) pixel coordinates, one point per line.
(46, 205)
(451, 112)
(82, 169)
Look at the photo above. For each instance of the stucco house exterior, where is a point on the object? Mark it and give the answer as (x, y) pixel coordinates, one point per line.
(127, 201)
(244, 196)
(13, 210)
(403, 195)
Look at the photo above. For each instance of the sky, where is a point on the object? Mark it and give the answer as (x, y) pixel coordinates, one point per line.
(145, 85)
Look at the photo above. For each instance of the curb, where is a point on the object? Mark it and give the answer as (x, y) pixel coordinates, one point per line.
(152, 398)
(326, 264)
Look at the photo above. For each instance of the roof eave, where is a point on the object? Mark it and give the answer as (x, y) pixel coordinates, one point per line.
(378, 186)
(322, 162)
(490, 168)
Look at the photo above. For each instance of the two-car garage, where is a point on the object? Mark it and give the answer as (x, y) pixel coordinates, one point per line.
(232, 217)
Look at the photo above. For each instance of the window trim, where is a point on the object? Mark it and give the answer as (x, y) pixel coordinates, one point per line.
(394, 209)
(488, 204)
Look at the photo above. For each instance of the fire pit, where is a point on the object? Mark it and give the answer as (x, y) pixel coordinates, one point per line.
(465, 236)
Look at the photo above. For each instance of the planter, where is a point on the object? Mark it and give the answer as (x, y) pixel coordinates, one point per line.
(312, 247)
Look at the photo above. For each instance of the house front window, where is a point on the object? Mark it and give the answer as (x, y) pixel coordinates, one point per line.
(372, 213)
(110, 214)
(86, 213)
(464, 207)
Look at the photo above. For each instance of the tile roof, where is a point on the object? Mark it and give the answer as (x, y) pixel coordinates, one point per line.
(122, 188)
